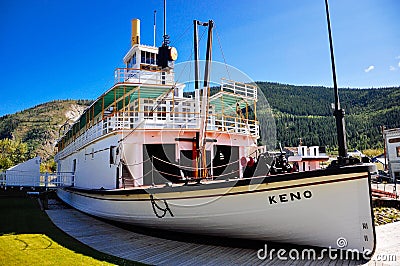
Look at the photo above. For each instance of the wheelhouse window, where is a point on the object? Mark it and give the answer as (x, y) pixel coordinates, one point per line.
(148, 58)
(143, 55)
(132, 61)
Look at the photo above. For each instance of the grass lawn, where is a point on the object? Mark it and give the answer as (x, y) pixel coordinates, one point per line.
(28, 237)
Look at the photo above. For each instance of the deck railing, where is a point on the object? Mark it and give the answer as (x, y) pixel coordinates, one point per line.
(147, 76)
(243, 89)
(11, 178)
(170, 113)
(130, 120)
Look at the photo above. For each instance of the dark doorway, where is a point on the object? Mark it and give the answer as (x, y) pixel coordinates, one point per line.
(187, 159)
(226, 162)
(160, 166)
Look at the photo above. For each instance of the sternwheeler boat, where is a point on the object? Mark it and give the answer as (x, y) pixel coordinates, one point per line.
(147, 154)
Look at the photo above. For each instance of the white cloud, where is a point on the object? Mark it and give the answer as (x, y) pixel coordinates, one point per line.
(399, 64)
(371, 67)
(398, 57)
(392, 68)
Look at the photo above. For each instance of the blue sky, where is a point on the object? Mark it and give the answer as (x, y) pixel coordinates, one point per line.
(68, 49)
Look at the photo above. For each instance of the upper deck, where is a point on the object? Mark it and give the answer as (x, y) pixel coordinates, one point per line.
(133, 105)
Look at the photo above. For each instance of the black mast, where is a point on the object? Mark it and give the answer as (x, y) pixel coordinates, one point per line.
(196, 55)
(338, 112)
(208, 55)
(200, 153)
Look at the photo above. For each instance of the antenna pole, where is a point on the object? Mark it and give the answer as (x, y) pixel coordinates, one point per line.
(154, 28)
(338, 112)
(165, 36)
(165, 17)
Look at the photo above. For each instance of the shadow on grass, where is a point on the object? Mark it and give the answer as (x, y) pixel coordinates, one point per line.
(22, 215)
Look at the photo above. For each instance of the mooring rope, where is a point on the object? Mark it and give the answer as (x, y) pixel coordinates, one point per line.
(194, 168)
(164, 210)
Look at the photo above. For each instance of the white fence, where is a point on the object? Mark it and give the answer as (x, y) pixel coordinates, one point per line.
(27, 179)
(131, 75)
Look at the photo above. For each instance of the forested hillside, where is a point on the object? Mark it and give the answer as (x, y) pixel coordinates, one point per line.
(38, 127)
(305, 112)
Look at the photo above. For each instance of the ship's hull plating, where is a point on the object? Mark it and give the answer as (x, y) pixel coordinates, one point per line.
(327, 208)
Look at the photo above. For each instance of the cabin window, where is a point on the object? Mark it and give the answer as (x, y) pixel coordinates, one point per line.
(92, 153)
(147, 112)
(163, 77)
(148, 108)
(398, 151)
(112, 154)
(74, 165)
(395, 140)
(161, 112)
(73, 171)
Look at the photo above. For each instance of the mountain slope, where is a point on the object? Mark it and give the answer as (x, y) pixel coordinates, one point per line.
(305, 112)
(39, 126)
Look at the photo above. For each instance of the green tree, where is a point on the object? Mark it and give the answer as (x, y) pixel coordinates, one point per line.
(12, 152)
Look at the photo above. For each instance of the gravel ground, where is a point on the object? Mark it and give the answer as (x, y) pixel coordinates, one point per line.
(385, 215)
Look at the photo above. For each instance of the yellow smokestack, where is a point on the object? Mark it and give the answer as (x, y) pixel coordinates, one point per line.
(135, 32)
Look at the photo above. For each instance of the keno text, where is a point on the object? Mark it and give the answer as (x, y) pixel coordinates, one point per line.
(287, 197)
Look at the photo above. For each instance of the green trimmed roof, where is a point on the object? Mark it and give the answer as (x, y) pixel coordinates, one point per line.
(123, 94)
(227, 102)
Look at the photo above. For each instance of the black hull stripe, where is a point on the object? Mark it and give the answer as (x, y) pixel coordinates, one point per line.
(228, 184)
(220, 195)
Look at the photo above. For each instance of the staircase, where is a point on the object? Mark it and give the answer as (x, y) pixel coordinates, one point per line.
(127, 178)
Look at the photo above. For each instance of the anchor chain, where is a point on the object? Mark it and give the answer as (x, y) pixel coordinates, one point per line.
(164, 210)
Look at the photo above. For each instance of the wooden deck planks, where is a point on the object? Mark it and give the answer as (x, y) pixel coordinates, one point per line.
(130, 245)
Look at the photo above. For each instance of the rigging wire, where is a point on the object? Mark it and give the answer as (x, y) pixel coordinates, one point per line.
(222, 52)
(180, 37)
(190, 59)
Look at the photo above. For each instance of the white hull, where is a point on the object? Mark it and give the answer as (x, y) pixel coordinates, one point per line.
(293, 208)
